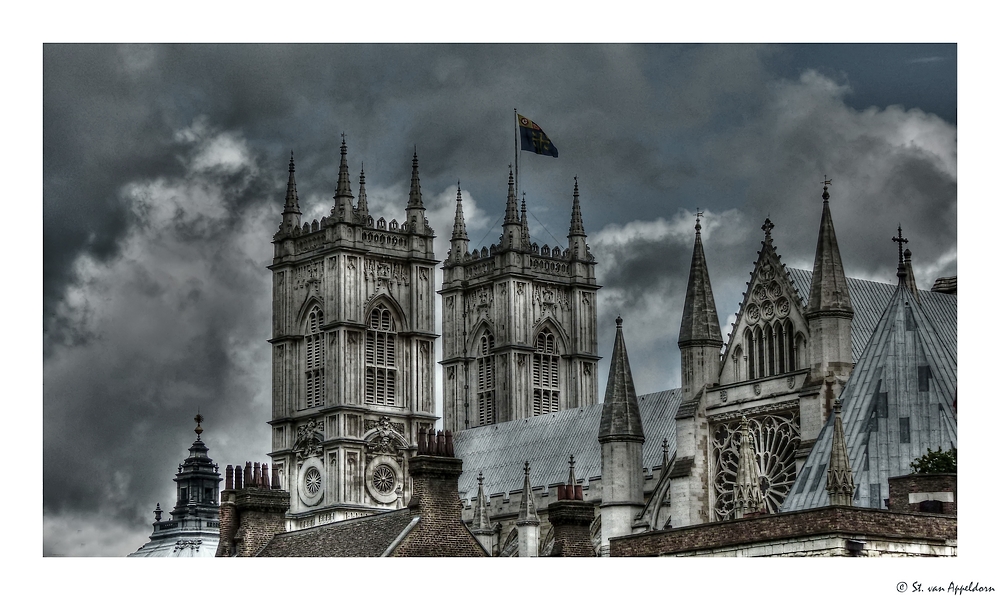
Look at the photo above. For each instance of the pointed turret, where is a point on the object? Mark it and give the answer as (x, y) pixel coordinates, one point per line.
(828, 293)
(621, 439)
(481, 527)
(577, 236)
(620, 416)
(291, 214)
(343, 208)
(527, 519)
(459, 236)
(362, 210)
(511, 224)
(747, 496)
(839, 477)
(911, 281)
(415, 203)
(700, 338)
(829, 312)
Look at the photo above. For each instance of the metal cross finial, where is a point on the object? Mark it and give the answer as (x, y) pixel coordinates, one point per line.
(480, 478)
(665, 445)
(826, 183)
(900, 240)
(526, 469)
(697, 219)
(572, 461)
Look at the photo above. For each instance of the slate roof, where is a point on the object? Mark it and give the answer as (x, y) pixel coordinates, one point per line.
(898, 403)
(364, 536)
(869, 299)
(546, 441)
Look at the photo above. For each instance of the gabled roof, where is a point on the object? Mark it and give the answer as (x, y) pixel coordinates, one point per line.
(365, 536)
(869, 299)
(898, 403)
(499, 451)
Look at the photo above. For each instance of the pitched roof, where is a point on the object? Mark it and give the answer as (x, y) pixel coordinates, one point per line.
(870, 298)
(898, 402)
(546, 441)
(365, 536)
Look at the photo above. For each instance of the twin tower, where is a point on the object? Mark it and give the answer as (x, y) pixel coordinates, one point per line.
(354, 332)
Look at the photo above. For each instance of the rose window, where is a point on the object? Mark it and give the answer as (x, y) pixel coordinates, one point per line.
(313, 481)
(384, 479)
(776, 438)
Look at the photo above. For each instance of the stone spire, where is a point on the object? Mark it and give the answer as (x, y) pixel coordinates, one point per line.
(699, 322)
(828, 293)
(362, 210)
(527, 520)
(510, 215)
(415, 199)
(839, 477)
(700, 338)
(291, 214)
(620, 419)
(747, 496)
(481, 517)
(576, 218)
(458, 232)
(343, 207)
(577, 236)
(511, 237)
(621, 439)
(528, 513)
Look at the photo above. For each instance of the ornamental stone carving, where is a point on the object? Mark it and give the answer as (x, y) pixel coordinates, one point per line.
(308, 439)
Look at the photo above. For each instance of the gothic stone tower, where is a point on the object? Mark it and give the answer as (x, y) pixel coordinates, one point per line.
(519, 323)
(353, 352)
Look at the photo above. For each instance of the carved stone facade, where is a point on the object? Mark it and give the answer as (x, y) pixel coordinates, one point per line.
(519, 325)
(353, 347)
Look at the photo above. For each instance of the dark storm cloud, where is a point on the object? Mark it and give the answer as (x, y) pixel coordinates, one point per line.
(164, 173)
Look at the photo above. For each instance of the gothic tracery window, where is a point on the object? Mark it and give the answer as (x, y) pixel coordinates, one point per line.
(545, 374)
(315, 359)
(486, 380)
(380, 357)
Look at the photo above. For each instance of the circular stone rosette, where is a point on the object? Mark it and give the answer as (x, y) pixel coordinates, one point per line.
(310, 481)
(774, 289)
(753, 313)
(767, 309)
(781, 305)
(383, 477)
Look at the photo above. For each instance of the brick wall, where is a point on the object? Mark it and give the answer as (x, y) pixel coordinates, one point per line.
(923, 486)
(764, 530)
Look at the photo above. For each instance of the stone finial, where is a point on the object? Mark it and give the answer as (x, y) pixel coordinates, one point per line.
(458, 232)
(198, 420)
(839, 477)
(576, 217)
(362, 209)
(527, 513)
(343, 178)
(416, 198)
(510, 213)
(157, 514)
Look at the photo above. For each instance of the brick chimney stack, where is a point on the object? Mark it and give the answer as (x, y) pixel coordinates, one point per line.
(252, 510)
(571, 518)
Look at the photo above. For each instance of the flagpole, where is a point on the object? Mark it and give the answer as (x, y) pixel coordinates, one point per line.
(516, 175)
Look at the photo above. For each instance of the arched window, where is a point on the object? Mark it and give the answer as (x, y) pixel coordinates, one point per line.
(487, 385)
(315, 359)
(769, 343)
(545, 374)
(738, 363)
(790, 341)
(779, 343)
(751, 363)
(758, 338)
(380, 357)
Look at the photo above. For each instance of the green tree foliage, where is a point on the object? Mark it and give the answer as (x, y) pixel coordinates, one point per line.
(936, 461)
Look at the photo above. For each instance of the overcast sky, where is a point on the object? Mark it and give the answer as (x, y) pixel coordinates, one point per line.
(165, 168)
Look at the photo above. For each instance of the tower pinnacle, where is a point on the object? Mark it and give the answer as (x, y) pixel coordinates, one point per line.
(839, 477)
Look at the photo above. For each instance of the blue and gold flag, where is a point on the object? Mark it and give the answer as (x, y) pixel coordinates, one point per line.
(533, 139)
